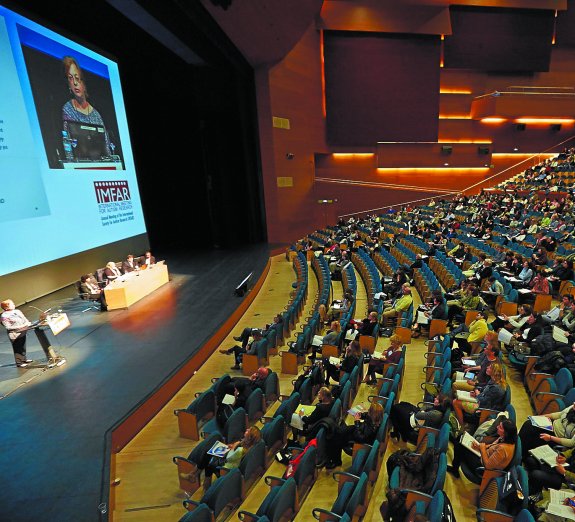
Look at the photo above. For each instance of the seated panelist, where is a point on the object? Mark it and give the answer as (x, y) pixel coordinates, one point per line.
(129, 265)
(111, 272)
(92, 291)
(148, 259)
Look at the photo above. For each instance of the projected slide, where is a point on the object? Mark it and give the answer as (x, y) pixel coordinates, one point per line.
(67, 176)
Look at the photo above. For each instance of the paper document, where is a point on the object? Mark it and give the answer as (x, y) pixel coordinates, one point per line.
(296, 422)
(545, 454)
(335, 361)
(553, 314)
(422, 318)
(504, 336)
(377, 355)
(465, 396)
(469, 362)
(317, 340)
(359, 408)
(351, 334)
(219, 449)
(300, 412)
(228, 399)
(560, 335)
(556, 506)
(467, 441)
(540, 421)
(305, 409)
(524, 291)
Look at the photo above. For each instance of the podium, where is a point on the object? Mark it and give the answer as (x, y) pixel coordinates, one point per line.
(56, 323)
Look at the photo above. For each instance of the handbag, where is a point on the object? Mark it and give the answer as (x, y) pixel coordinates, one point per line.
(511, 486)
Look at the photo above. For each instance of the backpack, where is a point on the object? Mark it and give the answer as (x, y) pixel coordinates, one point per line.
(551, 363)
(223, 414)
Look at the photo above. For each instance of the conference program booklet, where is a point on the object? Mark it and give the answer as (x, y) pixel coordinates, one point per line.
(317, 340)
(556, 504)
(360, 408)
(465, 396)
(560, 336)
(467, 441)
(219, 449)
(297, 419)
(540, 421)
(545, 454)
(229, 399)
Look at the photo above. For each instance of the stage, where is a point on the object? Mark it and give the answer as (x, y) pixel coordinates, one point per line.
(54, 421)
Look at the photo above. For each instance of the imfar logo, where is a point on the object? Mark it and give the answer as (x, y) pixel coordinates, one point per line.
(112, 191)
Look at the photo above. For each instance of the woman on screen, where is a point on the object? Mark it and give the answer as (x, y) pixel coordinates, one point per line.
(78, 109)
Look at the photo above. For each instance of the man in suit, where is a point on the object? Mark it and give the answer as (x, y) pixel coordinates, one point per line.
(129, 265)
(89, 290)
(148, 259)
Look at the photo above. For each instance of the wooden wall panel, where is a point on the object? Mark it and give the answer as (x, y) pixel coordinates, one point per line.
(495, 39)
(291, 89)
(381, 87)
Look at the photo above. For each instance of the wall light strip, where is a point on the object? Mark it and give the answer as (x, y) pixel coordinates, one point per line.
(547, 121)
(526, 154)
(454, 91)
(431, 169)
(375, 184)
(455, 116)
(477, 142)
(353, 154)
(493, 120)
(322, 65)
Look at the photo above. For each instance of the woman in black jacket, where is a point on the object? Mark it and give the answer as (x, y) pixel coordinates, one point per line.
(362, 431)
(322, 409)
(352, 353)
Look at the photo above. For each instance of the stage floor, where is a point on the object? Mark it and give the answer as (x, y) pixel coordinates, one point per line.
(54, 420)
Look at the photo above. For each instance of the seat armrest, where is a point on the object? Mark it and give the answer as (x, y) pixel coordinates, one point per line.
(491, 515)
(317, 512)
(358, 446)
(337, 474)
(190, 505)
(185, 459)
(247, 516)
(371, 398)
(550, 394)
(273, 481)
